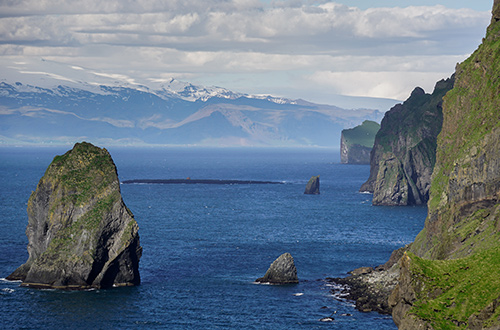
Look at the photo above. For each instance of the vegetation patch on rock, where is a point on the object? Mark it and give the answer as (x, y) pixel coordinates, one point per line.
(356, 143)
(451, 294)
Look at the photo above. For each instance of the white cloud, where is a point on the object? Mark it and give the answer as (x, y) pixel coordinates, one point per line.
(397, 85)
(223, 28)
(48, 74)
(204, 39)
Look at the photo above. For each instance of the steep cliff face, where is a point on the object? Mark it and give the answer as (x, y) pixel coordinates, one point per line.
(356, 143)
(451, 277)
(466, 178)
(80, 232)
(403, 155)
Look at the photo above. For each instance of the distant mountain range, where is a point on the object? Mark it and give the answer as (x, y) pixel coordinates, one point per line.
(61, 104)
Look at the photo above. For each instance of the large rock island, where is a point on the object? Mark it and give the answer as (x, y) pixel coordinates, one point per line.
(81, 235)
(357, 143)
(403, 156)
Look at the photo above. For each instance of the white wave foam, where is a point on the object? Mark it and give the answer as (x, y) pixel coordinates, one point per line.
(3, 279)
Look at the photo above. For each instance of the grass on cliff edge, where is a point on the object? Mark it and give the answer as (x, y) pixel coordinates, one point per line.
(453, 290)
(363, 134)
(477, 101)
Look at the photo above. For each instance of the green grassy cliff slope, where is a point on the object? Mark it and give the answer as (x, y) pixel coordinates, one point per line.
(450, 279)
(356, 143)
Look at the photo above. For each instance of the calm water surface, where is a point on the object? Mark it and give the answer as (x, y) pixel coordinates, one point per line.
(204, 245)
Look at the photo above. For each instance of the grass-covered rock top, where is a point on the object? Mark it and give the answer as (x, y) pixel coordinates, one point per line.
(84, 171)
(356, 143)
(363, 135)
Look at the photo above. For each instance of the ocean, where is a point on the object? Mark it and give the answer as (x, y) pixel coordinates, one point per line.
(204, 245)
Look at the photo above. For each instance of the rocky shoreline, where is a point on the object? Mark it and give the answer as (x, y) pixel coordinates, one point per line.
(369, 288)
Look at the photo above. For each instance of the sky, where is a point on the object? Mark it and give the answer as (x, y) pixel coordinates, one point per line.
(309, 49)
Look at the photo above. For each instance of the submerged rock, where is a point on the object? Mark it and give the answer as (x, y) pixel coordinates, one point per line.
(312, 187)
(80, 232)
(281, 271)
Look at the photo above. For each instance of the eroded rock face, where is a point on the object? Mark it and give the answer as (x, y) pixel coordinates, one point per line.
(80, 232)
(312, 187)
(403, 155)
(464, 206)
(281, 271)
(404, 296)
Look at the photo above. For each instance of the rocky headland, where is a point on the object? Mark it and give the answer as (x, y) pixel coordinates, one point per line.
(449, 277)
(356, 143)
(81, 235)
(281, 271)
(404, 151)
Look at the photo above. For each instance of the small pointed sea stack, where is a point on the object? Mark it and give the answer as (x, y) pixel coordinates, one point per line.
(312, 187)
(81, 235)
(281, 271)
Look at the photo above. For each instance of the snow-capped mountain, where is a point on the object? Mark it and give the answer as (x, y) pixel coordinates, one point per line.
(56, 103)
(55, 74)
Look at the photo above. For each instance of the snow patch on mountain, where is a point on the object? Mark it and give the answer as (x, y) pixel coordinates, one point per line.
(42, 76)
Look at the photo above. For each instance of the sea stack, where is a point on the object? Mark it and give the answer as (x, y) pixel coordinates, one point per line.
(312, 187)
(81, 235)
(281, 271)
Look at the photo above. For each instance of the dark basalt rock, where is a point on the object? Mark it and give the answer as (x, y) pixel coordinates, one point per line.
(80, 232)
(404, 152)
(370, 288)
(281, 271)
(312, 187)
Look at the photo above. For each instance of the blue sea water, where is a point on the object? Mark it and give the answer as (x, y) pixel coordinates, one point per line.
(204, 245)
